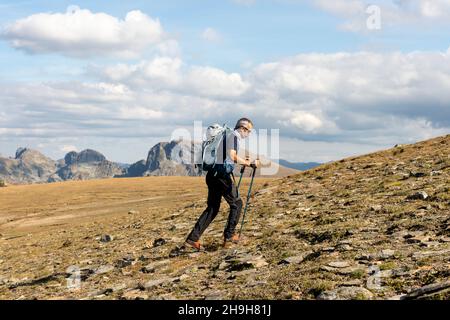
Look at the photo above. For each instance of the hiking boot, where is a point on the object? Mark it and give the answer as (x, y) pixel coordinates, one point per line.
(227, 243)
(195, 244)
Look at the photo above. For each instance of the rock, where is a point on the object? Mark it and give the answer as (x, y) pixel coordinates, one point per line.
(104, 269)
(243, 263)
(29, 166)
(417, 174)
(426, 254)
(177, 251)
(416, 238)
(143, 258)
(266, 191)
(126, 272)
(183, 277)
(294, 259)
(88, 164)
(119, 287)
(255, 283)
(345, 247)
(427, 290)
(150, 268)
(421, 195)
(66, 244)
(342, 271)
(159, 242)
(339, 264)
(134, 295)
(327, 268)
(100, 293)
(106, 238)
(215, 295)
(160, 162)
(223, 265)
(125, 262)
(346, 293)
(386, 254)
(133, 212)
(430, 244)
(35, 281)
(154, 283)
(89, 155)
(396, 297)
(376, 208)
(403, 176)
(351, 283)
(157, 282)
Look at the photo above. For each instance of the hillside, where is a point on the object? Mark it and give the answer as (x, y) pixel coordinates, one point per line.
(370, 227)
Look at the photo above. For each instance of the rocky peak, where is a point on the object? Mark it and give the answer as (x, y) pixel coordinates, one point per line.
(85, 156)
(32, 156)
(20, 151)
(70, 158)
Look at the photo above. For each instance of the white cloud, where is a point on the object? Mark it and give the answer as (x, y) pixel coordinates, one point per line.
(82, 33)
(392, 12)
(210, 81)
(68, 148)
(373, 99)
(306, 121)
(425, 8)
(341, 7)
(211, 35)
(141, 113)
(160, 72)
(171, 74)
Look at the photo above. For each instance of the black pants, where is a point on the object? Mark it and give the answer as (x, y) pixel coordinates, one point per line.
(218, 187)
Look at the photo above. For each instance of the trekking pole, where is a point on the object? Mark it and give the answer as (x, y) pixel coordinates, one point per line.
(240, 178)
(248, 198)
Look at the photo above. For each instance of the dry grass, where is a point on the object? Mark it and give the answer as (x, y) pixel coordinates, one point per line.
(349, 211)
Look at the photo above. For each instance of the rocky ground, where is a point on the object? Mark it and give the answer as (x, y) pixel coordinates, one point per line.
(370, 227)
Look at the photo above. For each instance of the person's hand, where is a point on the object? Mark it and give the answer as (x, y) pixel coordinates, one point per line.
(257, 163)
(247, 163)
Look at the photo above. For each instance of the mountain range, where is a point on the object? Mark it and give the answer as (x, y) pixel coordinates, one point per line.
(174, 158)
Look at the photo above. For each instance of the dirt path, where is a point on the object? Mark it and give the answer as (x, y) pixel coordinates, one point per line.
(31, 208)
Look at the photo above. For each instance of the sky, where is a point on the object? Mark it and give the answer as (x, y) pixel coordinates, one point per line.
(336, 78)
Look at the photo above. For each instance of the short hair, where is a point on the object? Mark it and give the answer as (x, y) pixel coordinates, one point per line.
(241, 121)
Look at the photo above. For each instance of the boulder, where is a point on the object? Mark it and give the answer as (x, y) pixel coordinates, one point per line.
(346, 293)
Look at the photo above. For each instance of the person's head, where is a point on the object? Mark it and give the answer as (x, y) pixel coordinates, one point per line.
(244, 126)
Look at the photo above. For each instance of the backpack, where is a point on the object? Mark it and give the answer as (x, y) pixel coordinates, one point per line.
(215, 134)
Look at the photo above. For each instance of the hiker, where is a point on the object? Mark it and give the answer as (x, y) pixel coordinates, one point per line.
(221, 185)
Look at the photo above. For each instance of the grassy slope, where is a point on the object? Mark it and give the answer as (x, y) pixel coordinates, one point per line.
(348, 211)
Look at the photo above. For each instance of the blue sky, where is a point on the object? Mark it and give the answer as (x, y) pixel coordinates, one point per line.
(262, 32)
(305, 92)
(259, 33)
